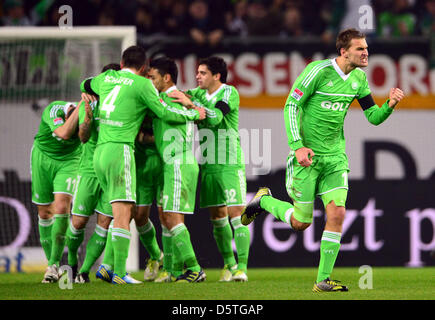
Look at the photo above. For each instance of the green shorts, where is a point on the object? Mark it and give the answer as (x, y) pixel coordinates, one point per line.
(326, 177)
(89, 198)
(50, 176)
(179, 187)
(225, 188)
(149, 176)
(115, 168)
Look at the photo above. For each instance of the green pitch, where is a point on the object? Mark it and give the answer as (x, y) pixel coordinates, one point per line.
(264, 284)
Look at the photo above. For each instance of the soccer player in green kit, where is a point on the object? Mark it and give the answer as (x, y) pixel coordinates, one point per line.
(88, 196)
(317, 164)
(223, 179)
(55, 158)
(180, 176)
(124, 96)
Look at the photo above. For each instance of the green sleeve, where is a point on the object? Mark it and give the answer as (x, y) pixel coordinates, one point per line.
(302, 89)
(54, 116)
(376, 115)
(163, 110)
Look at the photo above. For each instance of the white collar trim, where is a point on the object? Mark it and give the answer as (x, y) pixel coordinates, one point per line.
(339, 71)
(128, 70)
(171, 89)
(210, 96)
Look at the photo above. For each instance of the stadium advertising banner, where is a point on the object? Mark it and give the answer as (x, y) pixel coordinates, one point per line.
(390, 218)
(263, 71)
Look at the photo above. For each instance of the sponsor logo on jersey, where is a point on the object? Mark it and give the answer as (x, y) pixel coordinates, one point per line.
(57, 121)
(297, 94)
(330, 84)
(335, 106)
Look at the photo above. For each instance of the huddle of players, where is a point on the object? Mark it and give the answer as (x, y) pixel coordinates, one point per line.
(125, 146)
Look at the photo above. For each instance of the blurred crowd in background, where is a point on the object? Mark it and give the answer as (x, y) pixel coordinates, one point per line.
(208, 21)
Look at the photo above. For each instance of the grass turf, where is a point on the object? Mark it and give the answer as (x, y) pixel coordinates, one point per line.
(264, 284)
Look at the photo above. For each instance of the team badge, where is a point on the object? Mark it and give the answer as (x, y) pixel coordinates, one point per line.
(354, 85)
(58, 121)
(297, 94)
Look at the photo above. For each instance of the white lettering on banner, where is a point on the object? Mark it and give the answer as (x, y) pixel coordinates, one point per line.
(24, 223)
(389, 68)
(187, 72)
(416, 244)
(415, 69)
(269, 225)
(241, 68)
(369, 213)
(273, 74)
(245, 72)
(309, 238)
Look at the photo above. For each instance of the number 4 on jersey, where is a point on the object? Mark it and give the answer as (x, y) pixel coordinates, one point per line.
(109, 103)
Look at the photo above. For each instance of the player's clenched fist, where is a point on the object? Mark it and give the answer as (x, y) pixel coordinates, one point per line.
(304, 156)
(395, 96)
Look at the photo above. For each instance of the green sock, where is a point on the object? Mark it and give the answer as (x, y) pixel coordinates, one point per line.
(167, 249)
(108, 259)
(94, 248)
(74, 239)
(281, 210)
(183, 247)
(329, 247)
(121, 245)
(147, 236)
(58, 232)
(224, 235)
(242, 239)
(45, 226)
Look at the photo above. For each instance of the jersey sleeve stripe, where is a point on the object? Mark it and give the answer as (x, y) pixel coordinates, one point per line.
(316, 68)
(308, 81)
(293, 121)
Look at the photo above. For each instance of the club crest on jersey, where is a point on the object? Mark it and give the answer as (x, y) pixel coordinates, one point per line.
(297, 94)
(354, 85)
(57, 121)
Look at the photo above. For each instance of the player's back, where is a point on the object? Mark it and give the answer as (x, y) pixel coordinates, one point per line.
(52, 118)
(122, 105)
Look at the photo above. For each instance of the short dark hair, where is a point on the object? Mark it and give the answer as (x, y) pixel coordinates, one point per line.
(111, 66)
(134, 57)
(345, 37)
(216, 65)
(165, 65)
(70, 111)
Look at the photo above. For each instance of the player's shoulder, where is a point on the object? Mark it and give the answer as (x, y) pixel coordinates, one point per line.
(359, 74)
(319, 64)
(53, 107)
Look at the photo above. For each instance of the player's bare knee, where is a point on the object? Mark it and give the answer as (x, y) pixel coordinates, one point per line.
(297, 225)
(79, 222)
(44, 212)
(103, 221)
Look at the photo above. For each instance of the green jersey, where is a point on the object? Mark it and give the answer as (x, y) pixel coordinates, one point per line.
(46, 140)
(221, 149)
(317, 105)
(86, 166)
(124, 96)
(174, 141)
